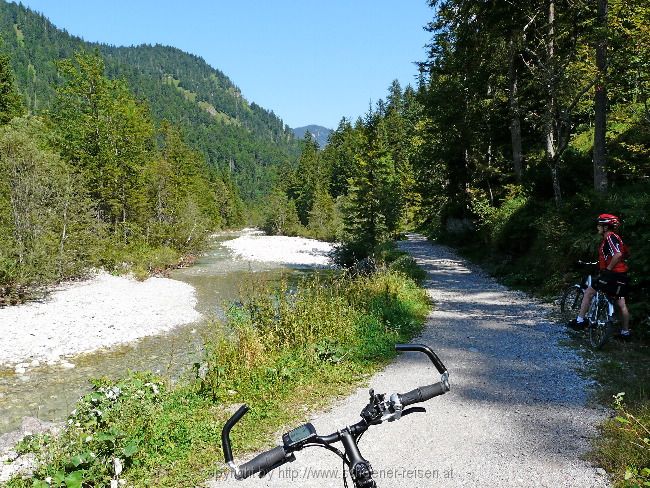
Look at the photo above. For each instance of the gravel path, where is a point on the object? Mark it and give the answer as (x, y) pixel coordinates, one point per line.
(516, 415)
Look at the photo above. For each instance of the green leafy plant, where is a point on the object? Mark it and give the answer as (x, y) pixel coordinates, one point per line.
(624, 448)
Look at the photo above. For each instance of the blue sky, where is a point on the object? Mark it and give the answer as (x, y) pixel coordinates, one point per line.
(310, 62)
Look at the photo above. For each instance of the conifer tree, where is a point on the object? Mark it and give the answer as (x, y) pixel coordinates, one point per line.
(10, 101)
(45, 217)
(281, 216)
(229, 202)
(191, 203)
(108, 136)
(338, 157)
(309, 176)
(373, 209)
(324, 218)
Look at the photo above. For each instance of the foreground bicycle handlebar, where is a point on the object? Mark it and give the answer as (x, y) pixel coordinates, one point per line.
(380, 408)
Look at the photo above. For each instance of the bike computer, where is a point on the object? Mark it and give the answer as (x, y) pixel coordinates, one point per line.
(299, 435)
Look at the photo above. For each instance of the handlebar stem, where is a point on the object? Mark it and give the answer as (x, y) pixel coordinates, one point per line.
(360, 469)
(235, 470)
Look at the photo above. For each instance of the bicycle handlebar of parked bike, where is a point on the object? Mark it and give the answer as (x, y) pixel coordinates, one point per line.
(381, 408)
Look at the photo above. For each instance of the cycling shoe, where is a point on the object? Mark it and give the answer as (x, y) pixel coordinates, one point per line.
(575, 325)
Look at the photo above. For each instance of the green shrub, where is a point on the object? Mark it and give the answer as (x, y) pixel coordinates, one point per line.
(280, 217)
(46, 227)
(109, 423)
(407, 265)
(385, 255)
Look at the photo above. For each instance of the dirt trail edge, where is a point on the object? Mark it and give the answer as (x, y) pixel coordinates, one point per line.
(517, 414)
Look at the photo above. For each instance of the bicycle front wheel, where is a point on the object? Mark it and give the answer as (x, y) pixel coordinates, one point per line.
(600, 324)
(570, 302)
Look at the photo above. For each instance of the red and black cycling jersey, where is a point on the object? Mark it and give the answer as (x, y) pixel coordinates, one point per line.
(612, 244)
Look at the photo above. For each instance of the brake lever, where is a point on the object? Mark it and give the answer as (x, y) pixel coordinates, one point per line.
(396, 412)
(413, 410)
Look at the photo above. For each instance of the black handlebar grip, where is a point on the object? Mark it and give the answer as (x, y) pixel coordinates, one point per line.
(423, 393)
(263, 461)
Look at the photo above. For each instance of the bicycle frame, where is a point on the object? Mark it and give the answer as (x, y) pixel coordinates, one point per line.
(610, 304)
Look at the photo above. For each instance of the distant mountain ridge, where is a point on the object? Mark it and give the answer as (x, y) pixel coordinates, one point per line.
(318, 132)
(233, 134)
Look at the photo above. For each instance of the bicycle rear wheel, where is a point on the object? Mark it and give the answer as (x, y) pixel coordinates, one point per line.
(570, 302)
(600, 325)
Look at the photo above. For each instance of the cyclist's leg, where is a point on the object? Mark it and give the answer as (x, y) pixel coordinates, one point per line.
(586, 302)
(579, 323)
(625, 315)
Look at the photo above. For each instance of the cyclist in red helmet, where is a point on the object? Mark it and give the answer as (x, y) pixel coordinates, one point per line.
(612, 253)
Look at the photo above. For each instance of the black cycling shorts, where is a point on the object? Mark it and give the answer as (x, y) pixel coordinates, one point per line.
(615, 284)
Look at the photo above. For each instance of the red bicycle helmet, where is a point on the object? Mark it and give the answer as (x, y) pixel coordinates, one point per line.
(608, 219)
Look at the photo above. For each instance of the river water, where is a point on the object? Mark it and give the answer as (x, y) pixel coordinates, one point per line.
(51, 392)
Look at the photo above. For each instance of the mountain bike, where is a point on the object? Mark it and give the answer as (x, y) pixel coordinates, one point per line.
(380, 408)
(600, 318)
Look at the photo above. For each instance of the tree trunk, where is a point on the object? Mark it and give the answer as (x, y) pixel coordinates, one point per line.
(600, 103)
(515, 122)
(64, 233)
(551, 121)
(557, 192)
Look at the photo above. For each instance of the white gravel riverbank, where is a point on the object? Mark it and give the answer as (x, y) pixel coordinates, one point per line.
(107, 310)
(281, 249)
(97, 313)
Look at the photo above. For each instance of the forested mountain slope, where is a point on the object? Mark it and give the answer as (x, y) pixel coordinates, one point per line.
(214, 116)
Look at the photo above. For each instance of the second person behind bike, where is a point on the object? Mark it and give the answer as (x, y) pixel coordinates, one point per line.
(612, 253)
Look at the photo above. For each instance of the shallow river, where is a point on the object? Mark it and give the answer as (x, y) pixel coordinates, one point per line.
(51, 392)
